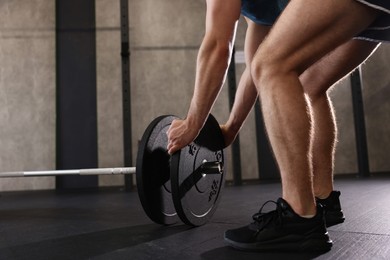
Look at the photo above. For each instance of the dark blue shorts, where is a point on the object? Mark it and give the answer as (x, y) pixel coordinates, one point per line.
(379, 30)
(263, 12)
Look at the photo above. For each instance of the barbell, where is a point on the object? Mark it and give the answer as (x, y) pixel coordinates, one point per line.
(186, 185)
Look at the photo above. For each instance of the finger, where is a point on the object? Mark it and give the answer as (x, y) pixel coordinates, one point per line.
(171, 132)
(170, 145)
(172, 150)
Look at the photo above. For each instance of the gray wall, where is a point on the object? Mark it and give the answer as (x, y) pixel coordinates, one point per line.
(376, 91)
(164, 45)
(109, 89)
(27, 90)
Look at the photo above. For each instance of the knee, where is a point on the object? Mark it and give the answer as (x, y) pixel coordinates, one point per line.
(313, 86)
(316, 94)
(269, 68)
(263, 70)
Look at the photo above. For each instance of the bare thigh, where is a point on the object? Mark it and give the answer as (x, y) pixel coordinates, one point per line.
(309, 29)
(319, 77)
(255, 35)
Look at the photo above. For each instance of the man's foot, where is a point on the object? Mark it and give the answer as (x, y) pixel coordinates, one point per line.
(281, 229)
(332, 207)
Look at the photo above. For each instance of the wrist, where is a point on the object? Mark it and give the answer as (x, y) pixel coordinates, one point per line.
(233, 126)
(196, 116)
(194, 122)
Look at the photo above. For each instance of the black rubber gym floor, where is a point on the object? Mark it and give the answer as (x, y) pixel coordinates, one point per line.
(110, 224)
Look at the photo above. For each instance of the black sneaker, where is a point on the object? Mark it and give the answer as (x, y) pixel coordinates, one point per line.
(281, 229)
(332, 209)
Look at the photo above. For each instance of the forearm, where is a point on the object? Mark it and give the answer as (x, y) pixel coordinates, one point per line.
(245, 99)
(212, 63)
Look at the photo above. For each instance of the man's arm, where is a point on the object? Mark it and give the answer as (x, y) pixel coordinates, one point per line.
(212, 63)
(246, 92)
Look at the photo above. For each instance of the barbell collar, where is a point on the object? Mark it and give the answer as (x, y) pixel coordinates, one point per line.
(214, 167)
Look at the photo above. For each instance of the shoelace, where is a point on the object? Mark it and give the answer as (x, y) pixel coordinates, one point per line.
(262, 220)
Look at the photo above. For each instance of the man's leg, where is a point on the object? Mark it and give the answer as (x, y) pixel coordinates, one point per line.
(304, 33)
(316, 82)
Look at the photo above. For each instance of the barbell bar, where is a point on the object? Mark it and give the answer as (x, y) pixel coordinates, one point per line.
(97, 171)
(205, 168)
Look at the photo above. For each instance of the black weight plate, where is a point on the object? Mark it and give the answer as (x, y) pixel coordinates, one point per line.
(153, 172)
(196, 196)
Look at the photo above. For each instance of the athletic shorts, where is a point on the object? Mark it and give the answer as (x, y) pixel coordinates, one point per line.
(379, 30)
(264, 12)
